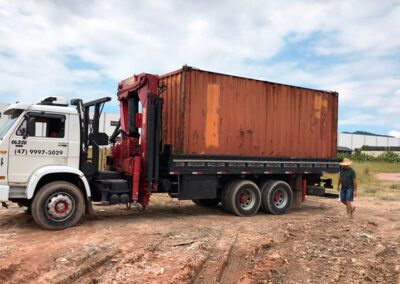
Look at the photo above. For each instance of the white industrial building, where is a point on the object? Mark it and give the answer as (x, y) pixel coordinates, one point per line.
(107, 122)
(356, 141)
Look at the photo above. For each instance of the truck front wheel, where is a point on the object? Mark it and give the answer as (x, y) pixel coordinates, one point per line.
(58, 205)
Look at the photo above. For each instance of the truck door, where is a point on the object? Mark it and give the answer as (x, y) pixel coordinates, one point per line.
(40, 140)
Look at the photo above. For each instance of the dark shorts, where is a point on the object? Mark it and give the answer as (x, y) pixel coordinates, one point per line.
(347, 194)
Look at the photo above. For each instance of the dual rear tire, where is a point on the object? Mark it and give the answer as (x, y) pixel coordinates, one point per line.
(277, 197)
(244, 197)
(241, 197)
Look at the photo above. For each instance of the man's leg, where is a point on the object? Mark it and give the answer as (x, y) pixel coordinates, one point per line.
(349, 208)
(345, 204)
(343, 197)
(351, 198)
(352, 208)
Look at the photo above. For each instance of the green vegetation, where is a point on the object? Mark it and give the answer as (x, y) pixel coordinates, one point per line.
(395, 186)
(388, 156)
(389, 197)
(368, 184)
(368, 190)
(366, 171)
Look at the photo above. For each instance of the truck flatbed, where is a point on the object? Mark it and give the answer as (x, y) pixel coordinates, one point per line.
(195, 164)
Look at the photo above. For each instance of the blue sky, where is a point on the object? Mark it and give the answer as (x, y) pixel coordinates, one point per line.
(83, 48)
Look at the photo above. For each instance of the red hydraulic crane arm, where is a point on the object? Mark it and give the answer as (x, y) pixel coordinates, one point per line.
(129, 156)
(138, 85)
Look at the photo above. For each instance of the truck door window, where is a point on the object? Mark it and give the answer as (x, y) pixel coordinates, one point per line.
(21, 131)
(43, 126)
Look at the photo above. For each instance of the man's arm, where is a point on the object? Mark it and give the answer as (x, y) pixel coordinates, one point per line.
(339, 183)
(355, 186)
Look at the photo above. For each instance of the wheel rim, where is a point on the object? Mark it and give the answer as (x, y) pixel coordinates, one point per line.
(280, 198)
(60, 206)
(247, 198)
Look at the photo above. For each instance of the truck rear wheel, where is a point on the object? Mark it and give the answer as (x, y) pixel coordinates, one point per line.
(276, 197)
(224, 195)
(207, 202)
(243, 198)
(58, 205)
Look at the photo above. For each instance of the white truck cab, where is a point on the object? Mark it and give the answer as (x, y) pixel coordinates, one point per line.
(40, 143)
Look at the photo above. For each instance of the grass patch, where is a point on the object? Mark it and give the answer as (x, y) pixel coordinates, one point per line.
(395, 186)
(378, 167)
(388, 192)
(389, 197)
(368, 185)
(365, 172)
(369, 190)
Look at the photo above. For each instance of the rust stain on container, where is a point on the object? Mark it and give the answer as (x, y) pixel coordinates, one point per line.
(215, 114)
(212, 116)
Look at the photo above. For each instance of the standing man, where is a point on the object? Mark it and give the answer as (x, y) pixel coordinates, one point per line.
(347, 185)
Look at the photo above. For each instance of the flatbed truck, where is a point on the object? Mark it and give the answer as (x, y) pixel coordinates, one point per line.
(46, 165)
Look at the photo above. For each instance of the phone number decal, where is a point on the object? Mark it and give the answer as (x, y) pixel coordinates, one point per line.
(25, 152)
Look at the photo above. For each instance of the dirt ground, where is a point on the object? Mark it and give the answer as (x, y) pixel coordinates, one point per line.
(395, 177)
(179, 242)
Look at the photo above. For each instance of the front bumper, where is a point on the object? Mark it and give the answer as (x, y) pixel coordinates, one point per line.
(4, 192)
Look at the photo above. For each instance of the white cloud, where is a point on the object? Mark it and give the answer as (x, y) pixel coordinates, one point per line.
(126, 37)
(394, 133)
(361, 119)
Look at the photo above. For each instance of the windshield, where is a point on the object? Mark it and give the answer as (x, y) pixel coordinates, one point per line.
(7, 125)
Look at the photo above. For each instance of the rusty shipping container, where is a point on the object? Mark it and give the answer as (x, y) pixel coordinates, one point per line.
(207, 113)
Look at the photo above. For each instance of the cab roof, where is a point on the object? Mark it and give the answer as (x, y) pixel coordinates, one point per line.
(36, 107)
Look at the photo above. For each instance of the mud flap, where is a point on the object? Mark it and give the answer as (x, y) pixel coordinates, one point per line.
(89, 210)
(296, 183)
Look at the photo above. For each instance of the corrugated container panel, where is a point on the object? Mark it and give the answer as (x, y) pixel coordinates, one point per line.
(215, 114)
(172, 119)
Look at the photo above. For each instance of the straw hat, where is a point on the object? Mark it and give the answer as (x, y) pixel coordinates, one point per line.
(345, 162)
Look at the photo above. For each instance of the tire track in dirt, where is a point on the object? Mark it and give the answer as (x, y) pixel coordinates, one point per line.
(86, 260)
(234, 264)
(227, 261)
(216, 260)
(158, 262)
(87, 269)
(122, 265)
